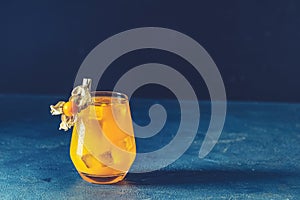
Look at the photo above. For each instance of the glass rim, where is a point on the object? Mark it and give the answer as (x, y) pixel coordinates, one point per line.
(107, 93)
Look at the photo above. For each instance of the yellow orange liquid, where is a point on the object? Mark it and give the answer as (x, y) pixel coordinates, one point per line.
(103, 145)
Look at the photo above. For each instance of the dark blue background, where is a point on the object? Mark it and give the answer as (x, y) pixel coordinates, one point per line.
(255, 44)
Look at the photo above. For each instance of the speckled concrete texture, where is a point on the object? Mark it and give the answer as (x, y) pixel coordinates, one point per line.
(257, 156)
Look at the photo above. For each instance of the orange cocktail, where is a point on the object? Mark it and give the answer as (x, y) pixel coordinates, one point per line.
(103, 145)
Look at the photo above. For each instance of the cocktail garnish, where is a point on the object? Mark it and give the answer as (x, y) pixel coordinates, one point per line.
(79, 100)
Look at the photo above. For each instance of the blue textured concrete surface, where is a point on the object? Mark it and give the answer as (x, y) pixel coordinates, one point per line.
(256, 157)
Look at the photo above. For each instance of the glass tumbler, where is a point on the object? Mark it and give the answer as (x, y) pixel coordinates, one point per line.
(103, 146)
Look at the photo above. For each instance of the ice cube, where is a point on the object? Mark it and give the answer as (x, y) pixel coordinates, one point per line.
(106, 158)
(90, 161)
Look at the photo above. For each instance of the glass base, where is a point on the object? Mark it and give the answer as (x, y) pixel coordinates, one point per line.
(96, 179)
